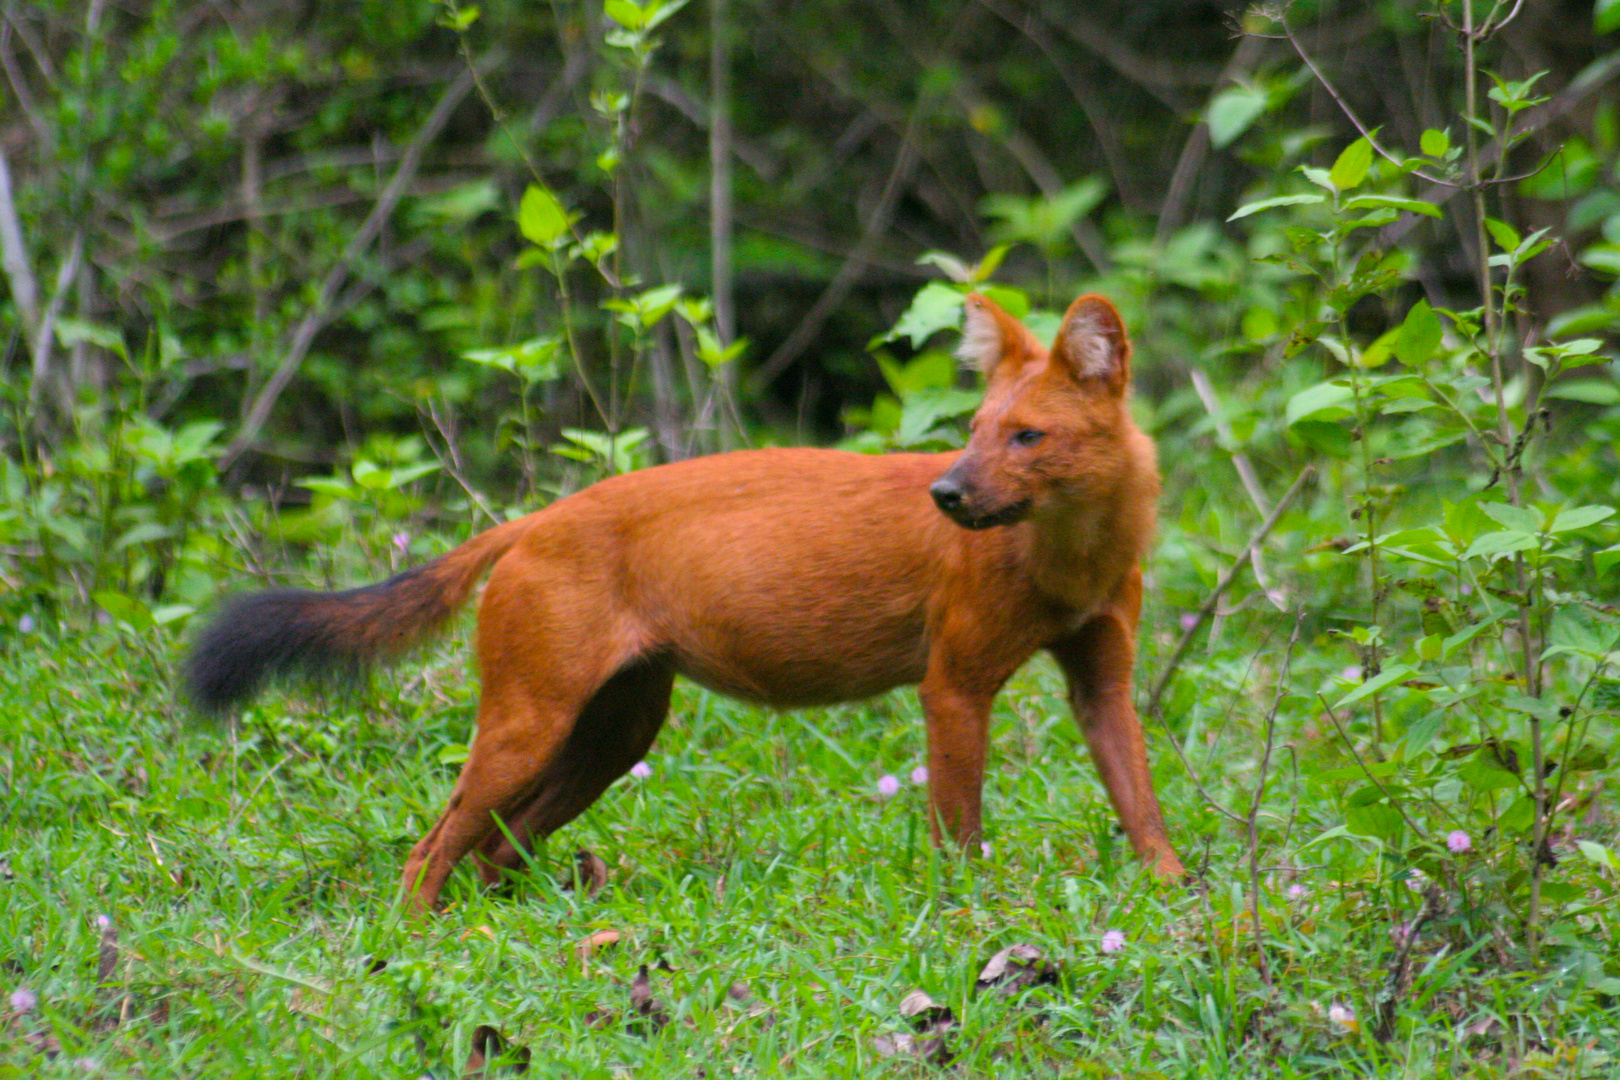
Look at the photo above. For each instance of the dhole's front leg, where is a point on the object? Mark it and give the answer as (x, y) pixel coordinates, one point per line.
(956, 693)
(1097, 661)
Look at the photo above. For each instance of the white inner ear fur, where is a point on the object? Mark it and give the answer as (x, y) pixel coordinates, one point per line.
(981, 339)
(1090, 345)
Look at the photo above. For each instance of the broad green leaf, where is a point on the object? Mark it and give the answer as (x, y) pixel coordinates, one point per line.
(1505, 542)
(626, 13)
(1435, 143)
(1232, 112)
(1606, 16)
(1606, 559)
(1383, 680)
(541, 218)
(1419, 335)
(1282, 200)
(1351, 168)
(1579, 518)
(1514, 517)
(1597, 853)
(1506, 237)
(1482, 773)
(936, 307)
(1377, 820)
(1591, 391)
(1394, 202)
(1531, 706)
(1318, 398)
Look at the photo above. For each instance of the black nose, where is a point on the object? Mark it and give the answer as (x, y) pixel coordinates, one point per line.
(947, 494)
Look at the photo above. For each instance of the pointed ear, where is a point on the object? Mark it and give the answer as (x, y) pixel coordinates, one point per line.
(990, 335)
(1092, 344)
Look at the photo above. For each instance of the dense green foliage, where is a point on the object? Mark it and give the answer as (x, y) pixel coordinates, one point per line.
(404, 269)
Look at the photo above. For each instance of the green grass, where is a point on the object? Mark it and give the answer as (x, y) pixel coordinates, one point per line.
(248, 875)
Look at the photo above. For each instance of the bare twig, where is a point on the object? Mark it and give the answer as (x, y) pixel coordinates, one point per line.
(854, 266)
(1221, 586)
(1400, 965)
(1259, 797)
(14, 256)
(1366, 770)
(1598, 75)
(318, 316)
(47, 326)
(1246, 473)
(1196, 149)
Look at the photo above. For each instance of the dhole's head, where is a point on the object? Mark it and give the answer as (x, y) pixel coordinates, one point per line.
(1053, 430)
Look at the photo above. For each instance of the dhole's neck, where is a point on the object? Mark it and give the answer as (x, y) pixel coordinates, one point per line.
(1084, 545)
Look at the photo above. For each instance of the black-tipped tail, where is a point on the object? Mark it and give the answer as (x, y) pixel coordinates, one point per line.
(258, 637)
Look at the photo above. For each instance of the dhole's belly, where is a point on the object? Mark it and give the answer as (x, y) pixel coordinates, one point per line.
(831, 652)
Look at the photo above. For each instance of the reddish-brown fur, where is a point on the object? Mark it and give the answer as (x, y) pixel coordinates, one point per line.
(801, 577)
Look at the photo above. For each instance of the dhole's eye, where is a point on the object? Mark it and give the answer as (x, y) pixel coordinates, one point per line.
(1028, 437)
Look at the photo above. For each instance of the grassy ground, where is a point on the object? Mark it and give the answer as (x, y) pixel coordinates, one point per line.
(190, 901)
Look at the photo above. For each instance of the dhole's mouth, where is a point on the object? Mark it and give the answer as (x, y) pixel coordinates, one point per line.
(1007, 515)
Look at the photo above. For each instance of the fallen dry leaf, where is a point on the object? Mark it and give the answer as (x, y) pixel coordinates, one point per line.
(487, 1045)
(587, 946)
(652, 1016)
(107, 960)
(1015, 968)
(588, 871)
(930, 1020)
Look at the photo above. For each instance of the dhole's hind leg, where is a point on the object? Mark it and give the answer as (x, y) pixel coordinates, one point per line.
(613, 732)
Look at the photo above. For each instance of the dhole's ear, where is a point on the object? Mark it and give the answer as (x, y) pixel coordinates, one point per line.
(990, 335)
(1092, 344)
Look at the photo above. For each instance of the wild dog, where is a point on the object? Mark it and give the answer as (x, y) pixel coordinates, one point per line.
(789, 577)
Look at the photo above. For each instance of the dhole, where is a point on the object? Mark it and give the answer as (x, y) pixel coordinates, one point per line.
(785, 576)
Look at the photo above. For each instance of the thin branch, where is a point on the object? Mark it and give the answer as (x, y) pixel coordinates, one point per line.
(1350, 114)
(318, 316)
(1196, 149)
(1246, 473)
(47, 326)
(14, 257)
(1221, 586)
(854, 266)
(1400, 808)
(1259, 796)
(1594, 78)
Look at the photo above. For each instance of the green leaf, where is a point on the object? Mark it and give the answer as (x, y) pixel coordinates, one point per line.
(541, 218)
(1514, 517)
(1232, 112)
(1579, 518)
(1506, 237)
(1504, 542)
(1419, 335)
(1435, 143)
(1597, 853)
(1282, 200)
(1482, 773)
(936, 307)
(1319, 398)
(1378, 820)
(627, 14)
(1395, 202)
(1384, 679)
(1351, 168)
(1606, 16)
(1591, 391)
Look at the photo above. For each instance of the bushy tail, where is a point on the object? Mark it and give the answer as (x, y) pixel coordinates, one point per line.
(259, 636)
